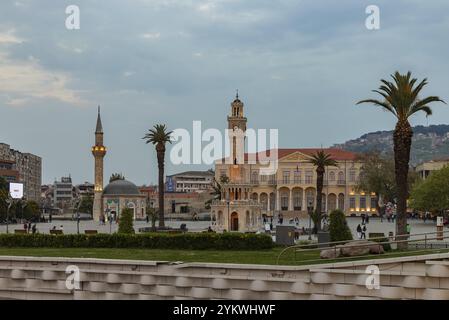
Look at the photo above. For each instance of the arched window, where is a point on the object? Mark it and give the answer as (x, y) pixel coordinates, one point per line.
(332, 176)
(254, 177)
(220, 218)
(341, 177)
(297, 200)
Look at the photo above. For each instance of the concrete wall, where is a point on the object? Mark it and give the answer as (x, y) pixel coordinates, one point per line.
(422, 277)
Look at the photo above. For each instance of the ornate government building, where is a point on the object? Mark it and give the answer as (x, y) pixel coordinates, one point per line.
(248, 195)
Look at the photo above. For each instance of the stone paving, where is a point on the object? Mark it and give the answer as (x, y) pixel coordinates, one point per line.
(375, 225)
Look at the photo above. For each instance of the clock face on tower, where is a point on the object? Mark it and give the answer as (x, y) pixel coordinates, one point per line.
(236, 128)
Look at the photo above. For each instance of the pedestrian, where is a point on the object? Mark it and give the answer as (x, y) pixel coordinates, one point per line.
(359, 232)
(61, 228)
(49, 218)
(367, 219)
(148, 219)
(363, 232)
(25, 227)
(267, 228)
(409, 228)
(363, 218)
(34, 229)
(29, 226)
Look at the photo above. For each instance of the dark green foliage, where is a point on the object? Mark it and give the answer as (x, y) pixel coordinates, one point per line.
(87, 204)
(126, 222)
(380, 238)
(188, 241)
(31, 210)
(338, 227)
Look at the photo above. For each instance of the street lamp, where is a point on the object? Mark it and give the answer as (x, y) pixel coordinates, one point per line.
(310, 210)
(228, 201)
(9, 201)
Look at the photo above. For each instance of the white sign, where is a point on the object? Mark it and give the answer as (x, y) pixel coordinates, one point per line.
(16, 190)
(440, 222)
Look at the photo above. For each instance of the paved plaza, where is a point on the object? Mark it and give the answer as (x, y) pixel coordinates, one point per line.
(70, 227)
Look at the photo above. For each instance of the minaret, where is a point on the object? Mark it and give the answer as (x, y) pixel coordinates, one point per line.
(236, 121)
(98, 151)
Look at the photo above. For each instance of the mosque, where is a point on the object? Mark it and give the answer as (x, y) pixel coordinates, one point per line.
(118, 194)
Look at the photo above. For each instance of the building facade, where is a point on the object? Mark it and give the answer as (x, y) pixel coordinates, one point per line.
(190, 181)
(29, 168)
(8, 171)
(426, 168)
(290, 191)
(63, 193)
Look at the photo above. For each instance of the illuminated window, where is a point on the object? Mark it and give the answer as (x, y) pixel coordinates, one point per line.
(363, 203)
(352, 202)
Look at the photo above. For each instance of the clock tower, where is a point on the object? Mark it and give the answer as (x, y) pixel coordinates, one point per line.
(237, 128)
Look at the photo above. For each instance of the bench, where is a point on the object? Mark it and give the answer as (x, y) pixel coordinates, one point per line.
(20, 231)
(90, 232)
(56, 232)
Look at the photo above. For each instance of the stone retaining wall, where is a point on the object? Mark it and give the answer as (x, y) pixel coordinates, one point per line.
(418, 277)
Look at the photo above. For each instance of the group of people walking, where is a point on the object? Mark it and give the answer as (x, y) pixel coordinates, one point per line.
(28, 228)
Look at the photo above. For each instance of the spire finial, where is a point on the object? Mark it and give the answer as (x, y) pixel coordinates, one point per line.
(237, 93)
(99, 128)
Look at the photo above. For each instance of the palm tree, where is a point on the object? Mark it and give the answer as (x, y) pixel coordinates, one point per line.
(116, 176)
(401, 98)
(217, 190)
(320, 160)
(159, 136)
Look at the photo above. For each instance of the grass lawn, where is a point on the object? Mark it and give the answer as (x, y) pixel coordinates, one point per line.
(243, 257)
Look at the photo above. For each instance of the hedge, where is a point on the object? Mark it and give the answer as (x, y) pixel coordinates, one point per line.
(189, 241)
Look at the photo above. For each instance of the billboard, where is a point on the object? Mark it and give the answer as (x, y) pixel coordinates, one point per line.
(170, 185)
(16, 190)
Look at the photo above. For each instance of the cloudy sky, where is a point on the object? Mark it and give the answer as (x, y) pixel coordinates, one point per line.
(300, 66)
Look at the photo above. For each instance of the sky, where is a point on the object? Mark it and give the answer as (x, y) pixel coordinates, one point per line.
(300, 67)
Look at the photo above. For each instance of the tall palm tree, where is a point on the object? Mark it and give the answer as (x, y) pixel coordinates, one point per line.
(159, 136)
(320, 160)
(401, 98)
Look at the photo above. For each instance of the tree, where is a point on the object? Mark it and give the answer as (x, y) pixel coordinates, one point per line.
(320, 160)
(401, 98)
(116, 176)
(159, 136)
(31, 210)
(86, 205)
(152, 214)
(4, 193)
(125, 224)
(338, 227)
(377, 176)
(432, 194)
(217, 190)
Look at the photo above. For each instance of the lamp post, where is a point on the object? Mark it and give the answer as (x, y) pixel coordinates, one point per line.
(9, 201)
(310, 210)
(77, 214)
(228, 202)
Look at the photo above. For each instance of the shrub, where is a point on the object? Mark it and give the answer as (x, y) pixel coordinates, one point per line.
(338, 227)
(125, 224)
(188, 241)
(381, 238)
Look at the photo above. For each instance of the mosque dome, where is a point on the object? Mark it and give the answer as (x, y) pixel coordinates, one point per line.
(121, 187)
